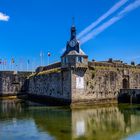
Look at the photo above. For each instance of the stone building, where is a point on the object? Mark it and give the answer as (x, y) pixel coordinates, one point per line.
(76, 80)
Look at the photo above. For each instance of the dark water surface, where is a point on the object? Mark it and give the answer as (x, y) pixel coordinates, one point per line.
(21, 122)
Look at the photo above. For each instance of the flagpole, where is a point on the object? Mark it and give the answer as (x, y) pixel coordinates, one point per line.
(3, 65)
(22, 63)
(0, 64)
(27, 67)
(49, 58)
(12, 66)
(12, 63)
(41, 58)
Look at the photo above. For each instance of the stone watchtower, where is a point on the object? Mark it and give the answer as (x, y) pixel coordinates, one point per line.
(75, 62)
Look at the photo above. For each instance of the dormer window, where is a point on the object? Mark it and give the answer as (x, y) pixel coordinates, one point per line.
(66, 60)
(63, 60)
(80, 59)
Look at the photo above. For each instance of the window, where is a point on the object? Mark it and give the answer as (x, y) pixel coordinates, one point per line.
(79, 59)
(64, 60)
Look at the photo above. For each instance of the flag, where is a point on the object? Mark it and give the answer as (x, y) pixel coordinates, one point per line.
(49, 54)
(12, 61)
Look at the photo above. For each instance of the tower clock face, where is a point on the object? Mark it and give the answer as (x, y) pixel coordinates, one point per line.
(72, 43)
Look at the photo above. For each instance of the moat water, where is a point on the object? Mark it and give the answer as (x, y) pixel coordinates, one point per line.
(19, 121)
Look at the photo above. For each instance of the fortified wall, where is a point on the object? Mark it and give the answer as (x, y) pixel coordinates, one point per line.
(77, 80)
(53, 85)
(13, 83)
(103, 81)
(100, 82)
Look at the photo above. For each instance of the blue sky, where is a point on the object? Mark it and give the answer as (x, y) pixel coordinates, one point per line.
(36, 25)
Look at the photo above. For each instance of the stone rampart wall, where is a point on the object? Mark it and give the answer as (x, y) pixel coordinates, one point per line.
(13, 83)
(51, 84)
(103, 83)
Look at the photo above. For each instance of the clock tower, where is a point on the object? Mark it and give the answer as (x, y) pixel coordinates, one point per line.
(73, 54)
(74, 64)
(73, 43)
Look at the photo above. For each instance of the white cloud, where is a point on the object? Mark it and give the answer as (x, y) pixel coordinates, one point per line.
(4, 17)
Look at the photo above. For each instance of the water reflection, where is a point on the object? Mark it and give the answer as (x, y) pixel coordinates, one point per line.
(106, 123)
(97, 123)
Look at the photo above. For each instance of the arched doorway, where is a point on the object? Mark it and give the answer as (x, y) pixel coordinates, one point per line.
(125, 83)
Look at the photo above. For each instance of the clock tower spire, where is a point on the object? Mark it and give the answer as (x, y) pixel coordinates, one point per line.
(73, 30)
